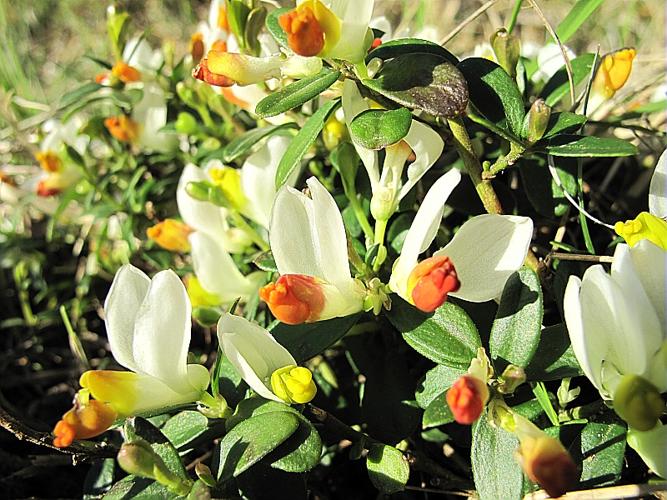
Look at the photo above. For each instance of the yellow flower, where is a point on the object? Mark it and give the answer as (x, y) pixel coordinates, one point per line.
(229, 180)
(645, 226)
(199, 297)
(171, 235)
(613, 72)
(293, 384)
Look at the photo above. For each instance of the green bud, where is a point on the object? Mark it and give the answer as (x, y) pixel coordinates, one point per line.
(537, 120)
(187, 95)
(507, 49)
(138, 458)
(204, 473)
(198, 190)
(638, 402)
(186, 123)
(211, 144)
(512, 377)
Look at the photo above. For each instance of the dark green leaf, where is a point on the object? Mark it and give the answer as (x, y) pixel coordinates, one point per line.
(254, 24)
(309, 339)
(237, 15)
(199, 491)
(395, 48)
(387, 468)
(184, 427)
(590, 146)
(137, 488)
(542, 191)
(377, 128)
(560, 123)
(602, 453)
(266, 483)
(437, 413)
(516, 329)
(494, 93)
(494, 468)
(448, 336)
(422, 81)
(77, 95)
(301, 143)
(581, 11)
(554, 358)
(346, 162)
(246, 142)
(273, 26)
(301, 452)
(437, 379)
(99, 478)
(252, 440)
(296, 93)
(558, 85)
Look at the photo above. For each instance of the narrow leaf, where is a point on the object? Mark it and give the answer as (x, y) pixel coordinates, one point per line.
(590, 147)
(558, 85)
(581, 11)
(244, 143)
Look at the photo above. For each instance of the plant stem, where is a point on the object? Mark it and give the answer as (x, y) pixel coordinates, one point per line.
(504, 161)
(514, 16)
(241, 223)
(361, 217)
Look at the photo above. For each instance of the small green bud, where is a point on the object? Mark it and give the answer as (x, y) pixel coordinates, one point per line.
(211, 144)
(204, 473)
(186, 123)
(537, 121)
(137, 458)
(638, 402)
(507, 49)
(187, 95)
(198, 190)
(512, 377)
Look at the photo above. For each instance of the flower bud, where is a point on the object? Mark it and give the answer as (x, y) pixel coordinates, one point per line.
(512, 377)
(228, 179)
(294, 298)
(305, 36)
(171, 235)
(198, 190)
(638, 402)
(186, 123)
(49, 161)
(613, 71)
(645, 226)
(430, 282)
(293, 384)
(125, 73)
(122, 127)
(507, 49)
(137, 458)
(537, 121)
(467, 398)
(88, 418)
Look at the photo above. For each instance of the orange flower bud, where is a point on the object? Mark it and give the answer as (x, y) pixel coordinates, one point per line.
(201, 72)
(467, 398)
(294, 298)
(43, 189)
(305, 36)
(219, 45)
(83, 421)
(125, 73)
(197, 46)
(122, 127)
(171, 235)
(49, 161)
(430, 282)
(101, 77)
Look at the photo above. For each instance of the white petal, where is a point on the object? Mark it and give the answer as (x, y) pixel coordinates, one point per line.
(355, 16)
(589, 350)
(253, 352)
(427, 145)
(151, 113)
(290, 234)
(650, 263)
(657, 193)
(216, 270)
(162, 331)
(258, 178)
(423, 230)
(121, 307)
(353, 104)
(326, 224)
(214, 13)
(485, 251)
(139, 54)
(652, 447)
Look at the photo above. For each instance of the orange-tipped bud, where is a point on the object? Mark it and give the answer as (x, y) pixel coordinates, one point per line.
(430, 282)
(122, 127)
(294, 298)
(43, 189)
(49, 161)
(125, 73)
(546, 461)
(201, 72)
(467, 398)
(305, 36)
(197, 46)
(82, 422)
(171, 235)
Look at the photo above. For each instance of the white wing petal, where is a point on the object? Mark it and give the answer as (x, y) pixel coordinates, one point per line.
(657, 193)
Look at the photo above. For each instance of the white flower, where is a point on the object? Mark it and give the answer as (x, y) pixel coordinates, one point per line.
(309, 246)
(652, 447)
(549, 60)
(474, 266)
(151, 115)
(657, 195)
(388, 186)
(139, 54)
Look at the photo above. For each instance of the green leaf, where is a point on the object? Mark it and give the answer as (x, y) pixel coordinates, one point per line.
(494, 93)
(435, 381)
(602, 453)
(558, 85)
(252, 440)
(310, 339)
(99, 478)
(581, 11)
(346, 162)
(301, 143)
(244, 143)
(137, 488)
(388, 469)
(516, 329)
(301, 452)
(377, 129)
(590, 147)
(448, 336)
(237, 15)
(402, 46)
(422, 81)
(273, 26)
(199, 491)
(563, 122)
(77, 95)
(554, 358)
(184, 427)
(296, 93)
(494, 468)
(437, 413)
(253, 26)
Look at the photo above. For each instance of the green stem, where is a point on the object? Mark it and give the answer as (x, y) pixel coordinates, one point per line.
(514, 16)
(380, 229)
(241, 223)
(505, 161)
(361, 216)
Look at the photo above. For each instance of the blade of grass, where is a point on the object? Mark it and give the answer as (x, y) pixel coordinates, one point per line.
(581, 11)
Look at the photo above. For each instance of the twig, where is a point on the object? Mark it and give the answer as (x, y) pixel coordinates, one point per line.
(467, 21)
(581, 257)
(611, 493)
